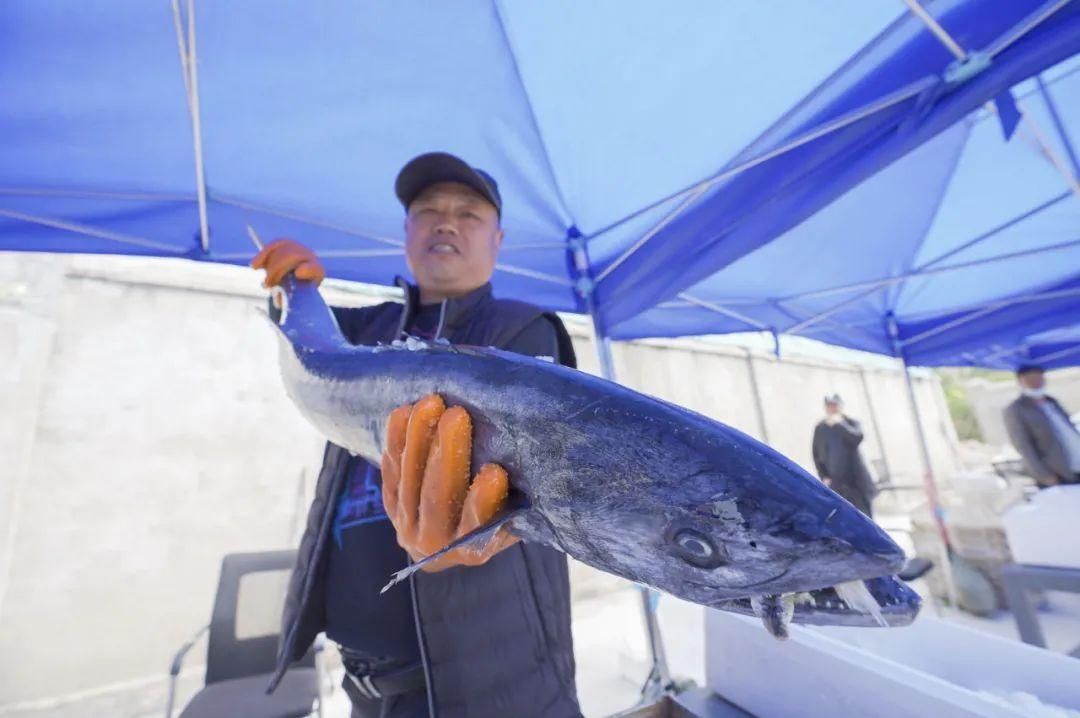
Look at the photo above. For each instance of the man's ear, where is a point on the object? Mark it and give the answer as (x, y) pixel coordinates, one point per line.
(499, 238)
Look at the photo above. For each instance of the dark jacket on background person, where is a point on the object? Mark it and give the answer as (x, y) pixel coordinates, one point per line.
(837, 456)
(1035, 439)
(495, 639)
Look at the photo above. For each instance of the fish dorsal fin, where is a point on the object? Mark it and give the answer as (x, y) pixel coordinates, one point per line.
(477, 539)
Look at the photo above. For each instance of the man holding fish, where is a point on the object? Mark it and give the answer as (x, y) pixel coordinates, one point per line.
(478, 632)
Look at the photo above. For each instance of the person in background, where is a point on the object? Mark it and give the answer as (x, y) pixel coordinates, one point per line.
(837, 458)
(841, 467)
(1041, 431)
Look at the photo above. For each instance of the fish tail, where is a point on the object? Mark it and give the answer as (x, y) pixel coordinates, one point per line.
(303, 318)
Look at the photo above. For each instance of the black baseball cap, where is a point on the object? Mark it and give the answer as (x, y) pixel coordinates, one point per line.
(421, 172)
(1029, 369)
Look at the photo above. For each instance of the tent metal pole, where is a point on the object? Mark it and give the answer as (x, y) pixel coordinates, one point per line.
(929, 484)
(930, 487)
(189, 65)
(659, 680)
(756, 389)
(874, 422)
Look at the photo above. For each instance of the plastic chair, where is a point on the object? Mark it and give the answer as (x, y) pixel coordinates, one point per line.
(238, 670)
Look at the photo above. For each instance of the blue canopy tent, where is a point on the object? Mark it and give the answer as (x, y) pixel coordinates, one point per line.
(624, 179)
(967, 244)
(1053, 349)
(625, 136)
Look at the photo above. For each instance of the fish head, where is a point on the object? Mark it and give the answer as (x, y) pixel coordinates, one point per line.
(746, 522)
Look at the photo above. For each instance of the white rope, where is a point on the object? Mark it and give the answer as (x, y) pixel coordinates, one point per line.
(255, 238)
(652, 232)
(989, 309)
(92, 194)
(543, 277)
(1059, 354)
(926, 271)
(92, 232)
(892, 281)
(323, 254)
(561, 246)
(939, 32)
(303, 219)
(697, 190)
(851, 329)
(1051, 154)
(689, 299)
(1030, 23)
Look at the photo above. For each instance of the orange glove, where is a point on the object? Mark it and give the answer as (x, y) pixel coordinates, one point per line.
(426, 489)
(286, 255)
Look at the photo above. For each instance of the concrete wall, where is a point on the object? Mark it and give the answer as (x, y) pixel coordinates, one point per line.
(145, 433)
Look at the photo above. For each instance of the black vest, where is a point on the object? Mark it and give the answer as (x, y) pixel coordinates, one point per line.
(496, 638)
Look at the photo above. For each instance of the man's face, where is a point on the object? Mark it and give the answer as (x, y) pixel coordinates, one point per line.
(452, 237)
(1032, 380)
(832, 407)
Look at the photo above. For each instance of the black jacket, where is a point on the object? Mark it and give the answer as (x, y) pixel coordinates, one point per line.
(495, 638)
(837, 456)
(1034, 437)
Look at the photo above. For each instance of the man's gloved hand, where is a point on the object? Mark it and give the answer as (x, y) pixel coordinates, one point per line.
(286, 255)
(426, 489)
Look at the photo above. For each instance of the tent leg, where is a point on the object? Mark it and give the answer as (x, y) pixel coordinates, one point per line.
(874, 423)
(930, 486)
(659, 680)
(759, 405)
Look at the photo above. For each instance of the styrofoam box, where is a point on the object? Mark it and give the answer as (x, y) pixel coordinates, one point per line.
(931, 668)
(1043, 531)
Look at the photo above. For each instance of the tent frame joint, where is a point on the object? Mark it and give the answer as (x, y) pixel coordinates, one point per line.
(964, 69)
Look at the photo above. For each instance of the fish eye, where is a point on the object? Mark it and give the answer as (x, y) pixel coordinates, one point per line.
(696, 548)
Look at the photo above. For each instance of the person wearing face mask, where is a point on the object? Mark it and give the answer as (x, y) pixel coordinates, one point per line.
(1041, 431)
(474, 634)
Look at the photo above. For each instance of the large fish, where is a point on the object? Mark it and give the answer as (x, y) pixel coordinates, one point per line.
(621, 481)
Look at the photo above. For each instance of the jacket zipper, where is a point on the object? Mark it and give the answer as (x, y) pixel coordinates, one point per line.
(442, 320)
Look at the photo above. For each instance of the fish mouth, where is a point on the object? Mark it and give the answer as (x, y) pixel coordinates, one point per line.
(777, 577)
(740, 587)
(898, 606)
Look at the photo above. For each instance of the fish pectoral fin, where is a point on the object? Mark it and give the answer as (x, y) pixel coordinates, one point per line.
(476, 539)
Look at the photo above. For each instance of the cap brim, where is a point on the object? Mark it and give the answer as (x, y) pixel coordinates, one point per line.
(428, 169)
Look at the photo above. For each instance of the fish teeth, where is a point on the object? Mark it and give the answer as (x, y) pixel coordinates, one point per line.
(858, 598)
(775, 612)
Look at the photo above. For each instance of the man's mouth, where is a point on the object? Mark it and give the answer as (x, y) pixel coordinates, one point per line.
(443, 248)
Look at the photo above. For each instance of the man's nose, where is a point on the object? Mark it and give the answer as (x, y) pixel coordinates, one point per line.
(445, 226)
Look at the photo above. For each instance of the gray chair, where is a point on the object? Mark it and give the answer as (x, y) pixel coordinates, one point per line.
(238, 669)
